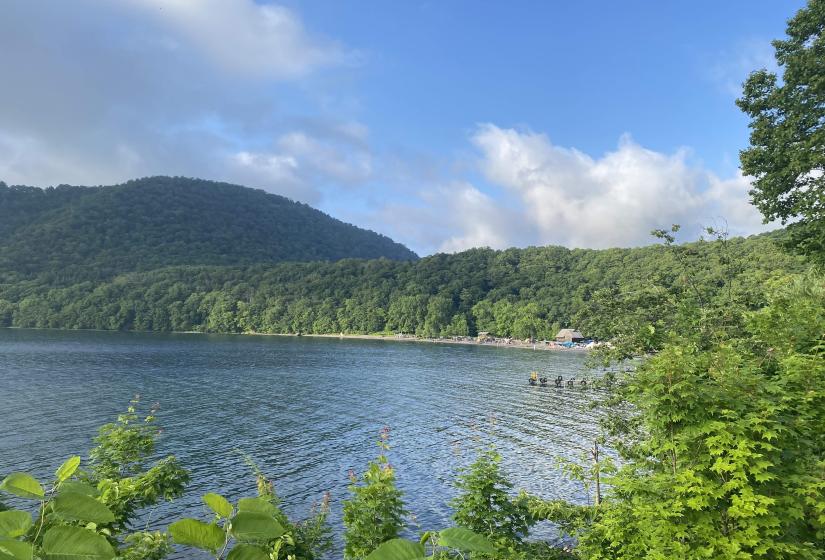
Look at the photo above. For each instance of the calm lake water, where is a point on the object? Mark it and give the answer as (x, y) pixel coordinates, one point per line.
(307, 410)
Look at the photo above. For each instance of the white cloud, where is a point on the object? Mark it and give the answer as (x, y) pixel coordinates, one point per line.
(576, 200)
(28, 160)
(475, 219)
(268, 168)
(543, 194)
(728, 200)
(343, 162)
(302, 163)
(257, 39)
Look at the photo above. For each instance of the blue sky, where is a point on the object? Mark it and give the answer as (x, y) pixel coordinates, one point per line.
(445, 125)
(585, 72)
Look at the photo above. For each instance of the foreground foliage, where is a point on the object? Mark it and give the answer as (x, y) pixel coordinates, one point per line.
(87, 512)
(719, 430)
(375, 512)
(486, 504)
(725, 452)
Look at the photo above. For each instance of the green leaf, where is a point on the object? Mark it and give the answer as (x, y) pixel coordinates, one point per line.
(254, 526)
(75, 487)
(397, 549)
(67, 469)
(247, 552)
(191, 532)
(14, 523)
(218, 504)
(15, 550)
(23, 485)
(81, 507)
(257, 505)
(65, 542)
(465, 540)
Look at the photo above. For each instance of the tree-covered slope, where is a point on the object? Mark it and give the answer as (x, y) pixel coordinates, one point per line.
(516, 292)
(74, 233)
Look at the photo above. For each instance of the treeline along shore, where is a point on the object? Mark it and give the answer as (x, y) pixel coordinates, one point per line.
(515, 293)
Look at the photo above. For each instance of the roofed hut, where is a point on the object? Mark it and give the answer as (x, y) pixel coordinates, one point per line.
(569, 335)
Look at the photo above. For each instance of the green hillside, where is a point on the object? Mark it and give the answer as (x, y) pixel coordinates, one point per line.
(68, 234)
(516, 292)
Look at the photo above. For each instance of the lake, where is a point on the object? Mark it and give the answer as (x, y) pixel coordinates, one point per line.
(308, 410)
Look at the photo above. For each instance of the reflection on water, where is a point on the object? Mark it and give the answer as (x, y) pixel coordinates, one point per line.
(308, 410)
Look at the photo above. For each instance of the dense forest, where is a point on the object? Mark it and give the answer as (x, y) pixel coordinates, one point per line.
(69, 234)
(516, 292)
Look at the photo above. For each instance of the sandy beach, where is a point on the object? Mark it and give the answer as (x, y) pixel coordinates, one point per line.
(470, 341)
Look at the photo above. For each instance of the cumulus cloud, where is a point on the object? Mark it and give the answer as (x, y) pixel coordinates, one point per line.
(479, 222)
(541, 194)
(729, 199)
(454, 216)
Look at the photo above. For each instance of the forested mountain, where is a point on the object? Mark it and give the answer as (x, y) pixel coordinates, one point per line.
(516, 292)
(69, 234)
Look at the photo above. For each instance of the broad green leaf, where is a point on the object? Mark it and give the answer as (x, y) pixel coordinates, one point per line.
(464, 540)
(254, 526)
(65, 542)
(425, 537)
(218, 504)
(23, 485)
(75, 487)
(397, 549)
(15, 550)
(81, 507)
(67, 469)
(247, 552)
(14, 523)
(191, 532)
(257, 505)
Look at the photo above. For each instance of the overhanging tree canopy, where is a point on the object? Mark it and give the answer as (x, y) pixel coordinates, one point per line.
(787, 152)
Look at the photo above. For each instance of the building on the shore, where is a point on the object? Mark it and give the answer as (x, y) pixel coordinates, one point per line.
(569, 335)
(483, 336)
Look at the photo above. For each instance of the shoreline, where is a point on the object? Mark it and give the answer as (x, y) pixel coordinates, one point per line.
(514, 344)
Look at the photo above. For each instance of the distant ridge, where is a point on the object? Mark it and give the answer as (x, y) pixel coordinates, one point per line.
(74, 232)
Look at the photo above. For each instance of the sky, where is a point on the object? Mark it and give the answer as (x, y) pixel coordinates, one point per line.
(442, 124)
